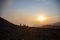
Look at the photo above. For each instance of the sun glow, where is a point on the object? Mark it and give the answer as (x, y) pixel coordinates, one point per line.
(41, 18)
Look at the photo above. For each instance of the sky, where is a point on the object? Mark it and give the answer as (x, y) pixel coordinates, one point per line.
(26, 11)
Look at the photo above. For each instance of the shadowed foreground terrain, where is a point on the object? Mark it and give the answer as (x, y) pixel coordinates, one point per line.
(9, 31)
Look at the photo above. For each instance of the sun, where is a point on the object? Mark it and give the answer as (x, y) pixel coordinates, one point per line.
(41, 18)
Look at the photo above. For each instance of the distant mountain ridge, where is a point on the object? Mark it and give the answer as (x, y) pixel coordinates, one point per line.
(54, 25)
(57, 23)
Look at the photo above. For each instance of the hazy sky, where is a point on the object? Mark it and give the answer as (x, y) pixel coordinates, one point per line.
(25, 11)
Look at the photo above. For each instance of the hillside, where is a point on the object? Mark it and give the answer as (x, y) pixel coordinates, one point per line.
(9, 31)
(43, 34)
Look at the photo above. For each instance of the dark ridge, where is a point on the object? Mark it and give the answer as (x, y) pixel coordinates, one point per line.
(7, 30)
(3, 21)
